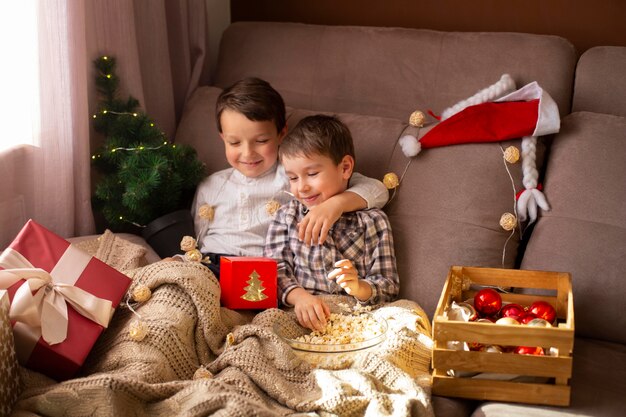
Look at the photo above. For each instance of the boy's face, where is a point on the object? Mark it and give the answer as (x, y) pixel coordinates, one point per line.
(314, 179)
(251, 147)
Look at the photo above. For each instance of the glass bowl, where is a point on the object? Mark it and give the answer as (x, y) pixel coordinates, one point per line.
(327, 356)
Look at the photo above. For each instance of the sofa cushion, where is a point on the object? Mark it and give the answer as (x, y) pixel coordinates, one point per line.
(447, 212)
(585, 232)
(389, 71)
(453, 407)
(598, 386)
(600, 82)
(198, 128)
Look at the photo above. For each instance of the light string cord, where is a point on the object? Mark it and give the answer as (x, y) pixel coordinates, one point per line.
(393, 194)
(139, 148)
(128, 304)
(514, 206)
(406, 167)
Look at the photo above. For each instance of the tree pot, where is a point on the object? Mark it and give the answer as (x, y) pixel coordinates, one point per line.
(165, 233)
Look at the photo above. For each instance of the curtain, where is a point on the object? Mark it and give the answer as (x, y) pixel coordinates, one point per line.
(160, 46)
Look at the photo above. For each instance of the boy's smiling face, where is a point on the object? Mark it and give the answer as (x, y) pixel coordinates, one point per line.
(251, 146)
(314, 179)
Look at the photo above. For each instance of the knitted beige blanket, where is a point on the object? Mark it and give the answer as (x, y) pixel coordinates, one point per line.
(254, 373)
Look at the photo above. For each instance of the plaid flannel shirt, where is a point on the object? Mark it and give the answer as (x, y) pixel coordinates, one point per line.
(364, 237)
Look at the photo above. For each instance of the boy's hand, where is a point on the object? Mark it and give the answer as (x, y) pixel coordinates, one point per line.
(313, 229)
(347, 277)
(310, 310)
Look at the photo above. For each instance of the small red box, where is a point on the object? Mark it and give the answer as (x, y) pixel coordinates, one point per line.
(248, 282)
(69, 265)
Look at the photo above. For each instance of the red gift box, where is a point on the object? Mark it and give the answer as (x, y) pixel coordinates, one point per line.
(70, 271)
(248, 282)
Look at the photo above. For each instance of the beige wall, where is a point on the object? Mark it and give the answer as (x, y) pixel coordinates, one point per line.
(585, 23)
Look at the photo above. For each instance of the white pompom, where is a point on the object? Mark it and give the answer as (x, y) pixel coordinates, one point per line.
(410, 145)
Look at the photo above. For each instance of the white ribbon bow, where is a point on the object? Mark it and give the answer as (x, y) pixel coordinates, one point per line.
(41, 303)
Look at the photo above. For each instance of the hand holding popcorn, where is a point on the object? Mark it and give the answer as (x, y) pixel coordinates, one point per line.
(347, 277)
(310, 310)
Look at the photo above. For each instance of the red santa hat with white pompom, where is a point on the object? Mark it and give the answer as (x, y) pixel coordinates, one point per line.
(495, 114)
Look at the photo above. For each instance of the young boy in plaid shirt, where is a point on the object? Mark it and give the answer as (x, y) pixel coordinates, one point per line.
(357, 256)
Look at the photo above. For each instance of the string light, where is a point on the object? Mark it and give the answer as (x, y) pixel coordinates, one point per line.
(138, 148)
(141, 148)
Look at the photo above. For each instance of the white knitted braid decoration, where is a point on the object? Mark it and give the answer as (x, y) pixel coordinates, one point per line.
(499, 89)
(531, 197)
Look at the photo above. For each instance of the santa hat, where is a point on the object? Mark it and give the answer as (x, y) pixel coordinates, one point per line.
(495, 114)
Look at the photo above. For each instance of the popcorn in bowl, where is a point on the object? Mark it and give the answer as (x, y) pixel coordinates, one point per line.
(337, 346)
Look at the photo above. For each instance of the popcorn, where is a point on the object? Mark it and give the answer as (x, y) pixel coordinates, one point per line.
(342, 329)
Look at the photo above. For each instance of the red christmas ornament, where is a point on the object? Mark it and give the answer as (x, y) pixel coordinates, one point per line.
(543, 310)
(526, 317)
(487, 301)
(529, 350)
(512, 310)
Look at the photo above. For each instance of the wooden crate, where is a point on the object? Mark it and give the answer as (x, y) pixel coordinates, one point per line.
(546, 378)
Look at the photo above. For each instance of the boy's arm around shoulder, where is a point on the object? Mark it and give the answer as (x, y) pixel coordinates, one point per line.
(365, 193)
(371, 190)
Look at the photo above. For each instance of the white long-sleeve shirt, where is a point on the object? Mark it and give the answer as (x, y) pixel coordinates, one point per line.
(241, 220)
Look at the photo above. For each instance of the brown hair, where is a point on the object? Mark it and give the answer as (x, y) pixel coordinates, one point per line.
(318, 134)
(254, 98)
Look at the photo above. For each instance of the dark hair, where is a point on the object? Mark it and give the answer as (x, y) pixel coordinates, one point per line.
(254, 98)
(318, 134)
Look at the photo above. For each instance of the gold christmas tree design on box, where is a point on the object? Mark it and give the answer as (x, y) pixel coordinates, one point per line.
(254, 289)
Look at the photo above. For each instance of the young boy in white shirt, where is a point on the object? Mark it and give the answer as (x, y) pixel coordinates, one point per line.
(243, 199)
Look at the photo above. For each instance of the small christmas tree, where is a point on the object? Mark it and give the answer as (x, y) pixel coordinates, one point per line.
(143, 175)
(254, 289)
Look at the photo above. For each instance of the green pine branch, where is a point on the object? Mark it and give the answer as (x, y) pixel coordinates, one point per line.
(142, 174)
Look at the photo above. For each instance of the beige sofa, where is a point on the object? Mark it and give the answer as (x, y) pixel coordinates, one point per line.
(447, 208)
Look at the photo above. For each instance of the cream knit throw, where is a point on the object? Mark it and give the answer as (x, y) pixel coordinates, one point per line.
(255, 374)
(115, 251)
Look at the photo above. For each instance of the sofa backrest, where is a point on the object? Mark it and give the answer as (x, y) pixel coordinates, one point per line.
(448, 207)
(389, 71)
(601, 81)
